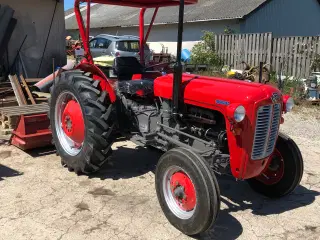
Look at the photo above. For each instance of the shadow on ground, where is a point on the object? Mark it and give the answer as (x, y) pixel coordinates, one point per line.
(129, 163)
(40, 152)
(238, 196)
(8, 172)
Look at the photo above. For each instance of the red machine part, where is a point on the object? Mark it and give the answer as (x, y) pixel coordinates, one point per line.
(87, 64)
(73, 123)
(186, 198)
(210, 93)
(32, 132)
(275, 170)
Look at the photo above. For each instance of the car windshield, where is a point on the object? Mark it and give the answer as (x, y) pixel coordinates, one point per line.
(129, 46)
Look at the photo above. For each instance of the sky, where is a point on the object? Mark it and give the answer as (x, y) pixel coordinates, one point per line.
(68, 4)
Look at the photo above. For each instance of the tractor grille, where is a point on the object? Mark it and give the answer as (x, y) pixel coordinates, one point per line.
(267, 129)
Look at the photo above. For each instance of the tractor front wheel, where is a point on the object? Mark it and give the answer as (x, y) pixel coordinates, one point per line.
(284, 172)
(82, 122)
(187, 191)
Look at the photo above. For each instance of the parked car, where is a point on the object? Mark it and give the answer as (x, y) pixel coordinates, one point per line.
(117, 46)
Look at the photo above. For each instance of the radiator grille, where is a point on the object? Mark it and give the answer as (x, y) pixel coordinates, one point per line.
(267, 129)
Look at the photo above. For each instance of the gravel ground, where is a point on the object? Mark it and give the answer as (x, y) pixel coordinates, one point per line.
(41, 200)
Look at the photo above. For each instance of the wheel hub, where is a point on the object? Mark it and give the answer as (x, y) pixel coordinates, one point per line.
(275, 171)
(183, 191)
(73, 123)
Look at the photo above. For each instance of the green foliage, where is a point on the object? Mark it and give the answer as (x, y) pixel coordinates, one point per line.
(291, 86)
(204, 52)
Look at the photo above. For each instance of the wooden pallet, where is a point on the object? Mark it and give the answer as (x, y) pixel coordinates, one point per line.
(9, 116)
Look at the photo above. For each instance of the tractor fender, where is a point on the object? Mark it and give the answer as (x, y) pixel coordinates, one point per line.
(99, 75)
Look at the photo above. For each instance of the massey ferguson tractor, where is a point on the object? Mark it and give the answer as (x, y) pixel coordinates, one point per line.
(205, 126)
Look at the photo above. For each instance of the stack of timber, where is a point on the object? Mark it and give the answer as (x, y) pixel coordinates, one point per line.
(9, 116)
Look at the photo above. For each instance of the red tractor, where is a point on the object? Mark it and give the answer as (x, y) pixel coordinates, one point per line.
(205, 126)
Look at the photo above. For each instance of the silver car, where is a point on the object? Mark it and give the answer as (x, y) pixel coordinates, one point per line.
(117, 46)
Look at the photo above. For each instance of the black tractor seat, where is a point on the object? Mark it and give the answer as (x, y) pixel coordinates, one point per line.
(125, 68)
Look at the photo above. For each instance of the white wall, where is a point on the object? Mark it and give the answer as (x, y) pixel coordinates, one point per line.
(34, 18)
(167, 34)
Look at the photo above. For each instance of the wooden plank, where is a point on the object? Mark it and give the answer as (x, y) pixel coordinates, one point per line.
(232, 50)
(22, 109)
(254, 45)
(278, 52)
(304, 56)
(225, 49)
(290, 59)
(246, 48)
(250, 50)
(299, 56)
(33, 80)
(262, 48)
(269, 48)
(309, 56)
(241, 56)
(282, 59)
(226, 37)
(216, 43)
(8, 110)
(286, 56)
(274, 50)
(295, 57)
(17, 90)
(27, 89)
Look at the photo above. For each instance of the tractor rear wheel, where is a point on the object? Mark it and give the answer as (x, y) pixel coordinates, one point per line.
(187, 191)
(82, 122)
(284, 172)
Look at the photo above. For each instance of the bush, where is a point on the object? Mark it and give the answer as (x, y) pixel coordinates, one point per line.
(204, 52)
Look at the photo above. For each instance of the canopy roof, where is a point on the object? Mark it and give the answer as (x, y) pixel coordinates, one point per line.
(143, 3)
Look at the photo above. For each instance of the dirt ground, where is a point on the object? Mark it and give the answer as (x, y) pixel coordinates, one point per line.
(39, 199)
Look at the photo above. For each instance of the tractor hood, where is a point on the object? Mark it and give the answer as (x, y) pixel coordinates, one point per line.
(214, 91)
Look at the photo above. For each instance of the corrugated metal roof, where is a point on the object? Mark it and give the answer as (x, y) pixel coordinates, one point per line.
(205, 10)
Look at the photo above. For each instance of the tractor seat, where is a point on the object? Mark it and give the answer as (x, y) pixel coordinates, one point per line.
(126, 67)
(141, 88)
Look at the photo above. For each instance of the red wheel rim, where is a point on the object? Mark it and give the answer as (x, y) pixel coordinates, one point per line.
(275, 171)
(73, 123)
(183, 191)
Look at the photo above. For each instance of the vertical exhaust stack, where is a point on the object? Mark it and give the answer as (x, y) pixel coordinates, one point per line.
(178, 67)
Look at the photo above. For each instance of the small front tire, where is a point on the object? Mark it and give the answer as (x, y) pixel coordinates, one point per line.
(187, 191)
(284, 173)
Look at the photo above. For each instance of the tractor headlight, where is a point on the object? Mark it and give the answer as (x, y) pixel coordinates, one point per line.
(289, 104)
(239, 114)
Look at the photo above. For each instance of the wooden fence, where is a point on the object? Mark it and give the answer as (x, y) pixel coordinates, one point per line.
(293, 56)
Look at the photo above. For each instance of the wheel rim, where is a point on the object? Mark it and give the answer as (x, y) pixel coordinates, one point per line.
(179, 192)
(69, 123)
(275, 171)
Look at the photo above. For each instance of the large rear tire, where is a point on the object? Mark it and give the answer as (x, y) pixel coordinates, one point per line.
(187, 191)
(284, 173)
(82, 122)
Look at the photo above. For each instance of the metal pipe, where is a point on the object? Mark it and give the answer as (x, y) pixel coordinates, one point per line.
(178, 66)
(82, 31)
(142, 41)
(151, 24)
(188, 135)
(180, 144)
(88, 20)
